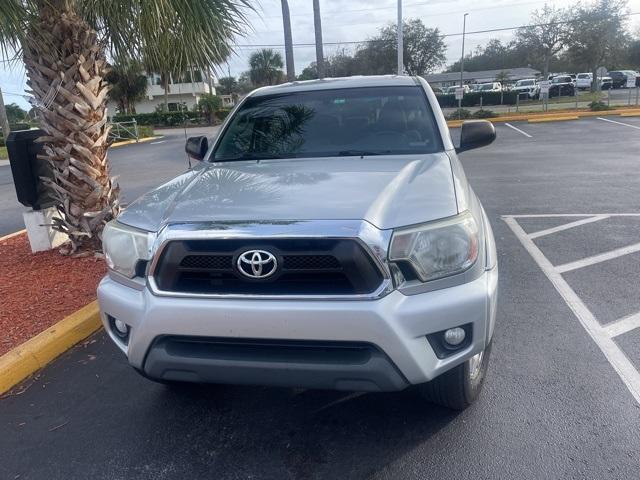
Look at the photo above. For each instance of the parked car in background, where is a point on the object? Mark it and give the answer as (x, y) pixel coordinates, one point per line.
(561, 85)
(584, 81)
(489, 87)
(606, 83)
(452, 89)
(437, 90)
(528, 86)
(619, 77)
(633, 75)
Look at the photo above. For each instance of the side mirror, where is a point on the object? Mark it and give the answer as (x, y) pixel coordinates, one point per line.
(197, 147)
(476, 134)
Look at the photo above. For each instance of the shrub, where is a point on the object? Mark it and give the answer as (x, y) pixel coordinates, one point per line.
(459, 114)
(208, 105)
(597, 106)
(222, 113)
(483, 114)
(145, 131)
(160, 119)
(472, 99)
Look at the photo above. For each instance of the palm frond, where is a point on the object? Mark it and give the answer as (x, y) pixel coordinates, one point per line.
(170, 35)
(14, 18)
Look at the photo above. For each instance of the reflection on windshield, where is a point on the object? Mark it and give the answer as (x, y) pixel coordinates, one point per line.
(341, 122)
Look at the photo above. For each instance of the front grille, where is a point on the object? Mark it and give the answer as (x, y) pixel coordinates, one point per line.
(305, 267)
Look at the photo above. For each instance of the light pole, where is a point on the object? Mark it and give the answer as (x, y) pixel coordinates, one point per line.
(464, 28)
(400, 45)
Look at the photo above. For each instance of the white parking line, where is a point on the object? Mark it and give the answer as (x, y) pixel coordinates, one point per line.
(568, 215)
(518, 130)
(566, 226)
(615, 356)
(158, 142)
(618, 123)
(601, 257)
(623, 325)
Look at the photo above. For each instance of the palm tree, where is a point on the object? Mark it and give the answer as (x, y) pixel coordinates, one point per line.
(317, 24)
(227, 85)
(288, 42)
(265, 67)
(63, 45)
(128, 84)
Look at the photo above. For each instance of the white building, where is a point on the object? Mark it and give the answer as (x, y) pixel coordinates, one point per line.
(449, 79)
(184, 92)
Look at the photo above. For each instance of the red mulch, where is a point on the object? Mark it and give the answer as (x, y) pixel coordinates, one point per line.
(38, 290)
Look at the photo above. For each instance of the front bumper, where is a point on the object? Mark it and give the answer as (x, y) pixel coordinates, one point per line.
(394, 326)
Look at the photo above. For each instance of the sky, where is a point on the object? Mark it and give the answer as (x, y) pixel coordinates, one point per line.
(355, 20)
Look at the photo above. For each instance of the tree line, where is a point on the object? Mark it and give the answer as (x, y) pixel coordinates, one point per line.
(580, 37)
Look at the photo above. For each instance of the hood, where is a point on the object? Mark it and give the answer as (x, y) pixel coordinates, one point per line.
(386, 191)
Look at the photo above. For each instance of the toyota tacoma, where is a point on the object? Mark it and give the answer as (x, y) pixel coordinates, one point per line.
(327, 238)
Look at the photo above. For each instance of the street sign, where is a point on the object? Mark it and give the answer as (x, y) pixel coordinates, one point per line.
(459, 93)
(544, 87)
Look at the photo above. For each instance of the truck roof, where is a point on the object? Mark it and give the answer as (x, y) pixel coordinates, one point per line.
(343, 82)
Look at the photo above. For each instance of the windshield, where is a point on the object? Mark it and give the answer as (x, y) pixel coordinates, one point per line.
(561, 80)
(524, 83)
(323, 123)
(583, 75)
(486, 86)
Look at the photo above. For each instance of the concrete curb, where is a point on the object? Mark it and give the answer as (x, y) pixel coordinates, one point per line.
(550, 117)
(553, 119)
(129, 142)
(34, 354)
(11, 235)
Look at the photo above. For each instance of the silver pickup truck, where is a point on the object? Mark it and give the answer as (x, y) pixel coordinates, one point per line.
(328, 239)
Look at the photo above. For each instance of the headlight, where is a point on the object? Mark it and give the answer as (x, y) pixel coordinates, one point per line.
(437, 249)
(124, 246)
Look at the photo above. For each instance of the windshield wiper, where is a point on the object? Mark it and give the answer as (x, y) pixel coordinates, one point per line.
(256, 156)
(360, 153)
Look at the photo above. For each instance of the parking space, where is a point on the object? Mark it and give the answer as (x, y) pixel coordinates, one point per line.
(562, 398)
(602, 279)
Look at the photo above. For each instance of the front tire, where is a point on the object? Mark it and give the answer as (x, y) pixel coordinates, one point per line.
(459, 387)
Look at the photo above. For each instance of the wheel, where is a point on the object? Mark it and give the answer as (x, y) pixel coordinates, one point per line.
(459, 387)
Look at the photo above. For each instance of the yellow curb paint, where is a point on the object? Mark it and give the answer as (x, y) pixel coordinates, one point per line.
(31, 356)
(11, 235)
(129, 142)
(549, 117)
(552, 119)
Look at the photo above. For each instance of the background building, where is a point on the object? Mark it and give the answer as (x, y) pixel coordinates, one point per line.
(485, 76)
(184, 92)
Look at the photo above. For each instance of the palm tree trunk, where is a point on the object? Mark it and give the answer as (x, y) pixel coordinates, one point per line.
(288, 42)
(66, 66)
(317, 22)
(164, 79)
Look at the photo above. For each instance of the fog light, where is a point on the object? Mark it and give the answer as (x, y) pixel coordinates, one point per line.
(454, 336)
(122, 328)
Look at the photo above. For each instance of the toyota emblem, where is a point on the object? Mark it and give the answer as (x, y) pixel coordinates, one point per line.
(257, 264)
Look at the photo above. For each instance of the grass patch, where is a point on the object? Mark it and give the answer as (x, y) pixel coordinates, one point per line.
(145, 131)
(3, 153)
(587, 97)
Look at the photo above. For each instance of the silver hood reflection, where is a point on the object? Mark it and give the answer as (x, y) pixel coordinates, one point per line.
(386, 191)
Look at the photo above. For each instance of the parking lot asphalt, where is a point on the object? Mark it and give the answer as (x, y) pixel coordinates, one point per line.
(555, 404)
